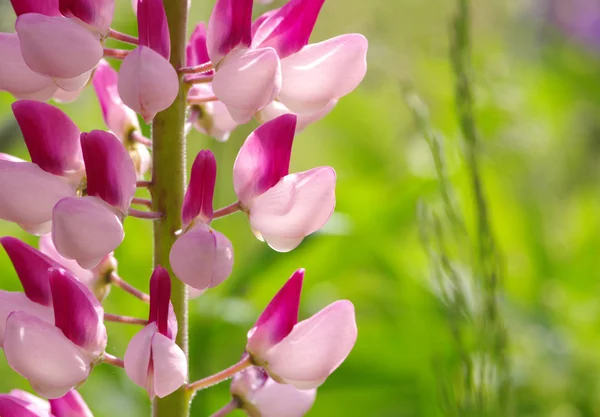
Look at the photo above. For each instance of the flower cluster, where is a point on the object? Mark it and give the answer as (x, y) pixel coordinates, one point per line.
(79, 188)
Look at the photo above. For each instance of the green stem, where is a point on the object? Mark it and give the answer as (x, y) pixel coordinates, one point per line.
(168, 182)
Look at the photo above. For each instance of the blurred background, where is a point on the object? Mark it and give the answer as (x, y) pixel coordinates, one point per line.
(537, 91)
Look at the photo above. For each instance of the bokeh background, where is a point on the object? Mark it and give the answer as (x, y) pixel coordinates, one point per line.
(537, 90)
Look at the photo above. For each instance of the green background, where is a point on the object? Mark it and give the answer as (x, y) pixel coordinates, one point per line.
(538, 107)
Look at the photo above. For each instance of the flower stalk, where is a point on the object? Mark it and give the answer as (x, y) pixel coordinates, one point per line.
(220, 376)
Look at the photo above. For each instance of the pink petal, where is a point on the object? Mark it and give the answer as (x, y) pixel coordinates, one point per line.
(45, 7)
(202, 257)
(169, 365)
(322, 72)
(137, 357)
(196, 50)
(12, 406)
(247, 80)
(315, 347)
(28, 194)
(34, 403)
(264, 158)
(300, 204)
(41, 353)
(17, 301)
(147, 82)
(278, 319)
(153, 27)
(276, 109)
(109, 168)
(198, 200)
(32, 269)
(281, 400)
(78, 313)
(47, 248)
(119, 118)
(50, 135)
(16, 77)
(160, 300)
(56, 46)
(86, 230)
(213, 119)
(70, 405)
(96, 13)
(63, 96)
(228, 26)
(288, 29)
(75, 83)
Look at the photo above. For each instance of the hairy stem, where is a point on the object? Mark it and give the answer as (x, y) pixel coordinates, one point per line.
(167, 189)
(224, 375)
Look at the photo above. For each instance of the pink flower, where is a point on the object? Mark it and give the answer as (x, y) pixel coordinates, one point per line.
(56, 358)
(88, 229)
(70, 405)
(201, 257)
(29, 190)
(96, 13)
(32, 269)
(302, 354)
(148, 83)
(23, 404)
(153, 360)
(282, 208)
(261, 396)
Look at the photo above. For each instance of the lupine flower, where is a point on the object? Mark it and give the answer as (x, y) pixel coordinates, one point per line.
(147, 81)
(32, 269)
(246, 79)
(29, 190)
(23, 404)
(153, 360)
(260, 396)
(56, 358)
(70, 405)
(60, 46)
(282, 208)
(88, 229)
(304, 353)
(208, 116)
(201, 257)
(271, 59)
(96, 279)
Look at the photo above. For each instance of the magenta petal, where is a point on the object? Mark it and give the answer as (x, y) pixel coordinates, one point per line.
(96, 13)
(314, 348)
(147, 82)
(78, 313)
(160, 300)
(50, 135)
(300, 204)
(12, 406)
(196, 50)
(15, 75)
(32, 269)
(153, 27)
(119, 118)
(278, 318)
(322, 72)
(34, 403)
(56, 46)
(86, 229)
(288, 29)
(247, 80)
(109, 168)
(198, 200)
(70, 405)
(202, 257)
(28, 194)
(41, 353)
(229, 26)
(45, 7)
(273, 399)
(17, 301)
(264, 158)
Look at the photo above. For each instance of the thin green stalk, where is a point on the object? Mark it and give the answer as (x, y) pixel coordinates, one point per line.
(493, 332)
(168, 182)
